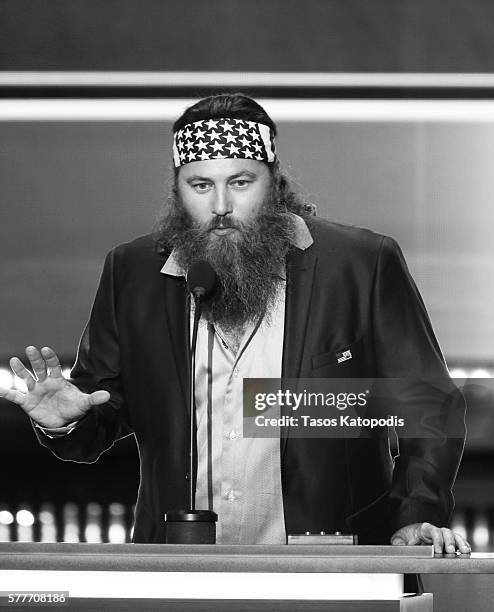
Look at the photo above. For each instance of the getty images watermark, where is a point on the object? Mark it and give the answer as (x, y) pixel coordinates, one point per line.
(351, 408)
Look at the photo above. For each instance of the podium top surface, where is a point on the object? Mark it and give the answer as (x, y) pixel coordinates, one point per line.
(220, 558)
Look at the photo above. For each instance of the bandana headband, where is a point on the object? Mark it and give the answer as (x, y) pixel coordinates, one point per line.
(222, 139)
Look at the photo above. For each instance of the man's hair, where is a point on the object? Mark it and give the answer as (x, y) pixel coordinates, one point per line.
(225, 106)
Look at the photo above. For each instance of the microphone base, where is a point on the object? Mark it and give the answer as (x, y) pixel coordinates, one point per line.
(190, 527)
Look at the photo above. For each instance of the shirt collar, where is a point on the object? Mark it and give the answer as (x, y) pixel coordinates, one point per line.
(302, 239)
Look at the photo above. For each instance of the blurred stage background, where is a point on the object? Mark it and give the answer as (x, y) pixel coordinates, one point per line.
(386, 120)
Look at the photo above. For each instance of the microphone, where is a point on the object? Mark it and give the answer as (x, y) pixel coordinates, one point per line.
(201, 280)
(193, 526)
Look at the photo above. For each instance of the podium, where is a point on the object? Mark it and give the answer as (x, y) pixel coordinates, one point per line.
(187, 577)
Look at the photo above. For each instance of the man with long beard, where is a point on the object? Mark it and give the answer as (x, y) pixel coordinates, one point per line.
(296, 297)
(246, 239)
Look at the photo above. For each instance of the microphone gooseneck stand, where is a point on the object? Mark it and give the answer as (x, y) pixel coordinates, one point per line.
(192, 526)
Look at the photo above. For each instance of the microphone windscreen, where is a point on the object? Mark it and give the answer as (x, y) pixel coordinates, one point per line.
(201, 279)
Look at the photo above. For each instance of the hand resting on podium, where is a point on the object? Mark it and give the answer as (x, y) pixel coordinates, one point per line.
(443, 538)
(51, 401)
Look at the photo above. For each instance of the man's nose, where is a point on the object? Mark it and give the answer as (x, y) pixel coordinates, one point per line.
(222, 204)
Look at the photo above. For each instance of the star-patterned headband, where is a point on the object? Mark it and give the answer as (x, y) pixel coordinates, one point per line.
(222, 139)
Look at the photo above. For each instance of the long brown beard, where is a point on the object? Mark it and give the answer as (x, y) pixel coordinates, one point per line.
(248, 261)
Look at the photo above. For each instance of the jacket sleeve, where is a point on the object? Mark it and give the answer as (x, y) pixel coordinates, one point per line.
(97, 367)
(422, 393)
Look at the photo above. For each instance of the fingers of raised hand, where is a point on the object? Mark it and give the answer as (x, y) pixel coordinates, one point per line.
(52, 362)
(13, 396)
(43, 363)
(98, 397)
(22, 372)
(37, 363)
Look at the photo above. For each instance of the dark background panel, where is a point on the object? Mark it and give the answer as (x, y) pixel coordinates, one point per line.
(314, 35)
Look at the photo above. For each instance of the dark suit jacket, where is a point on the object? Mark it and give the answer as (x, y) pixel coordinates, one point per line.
(350, 289)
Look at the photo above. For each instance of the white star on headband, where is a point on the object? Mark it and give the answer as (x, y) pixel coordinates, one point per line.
(217, 146)
(233, 149)
(214, 135)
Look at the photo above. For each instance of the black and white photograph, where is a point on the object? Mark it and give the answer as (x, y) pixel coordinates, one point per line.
(246, 305)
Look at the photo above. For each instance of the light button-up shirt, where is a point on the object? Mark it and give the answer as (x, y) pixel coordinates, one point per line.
(246, 472)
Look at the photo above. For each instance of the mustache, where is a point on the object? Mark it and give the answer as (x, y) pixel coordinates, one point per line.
(219, 222)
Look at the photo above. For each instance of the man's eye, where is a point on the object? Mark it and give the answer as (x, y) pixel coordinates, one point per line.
(201, 187)
(241, 183)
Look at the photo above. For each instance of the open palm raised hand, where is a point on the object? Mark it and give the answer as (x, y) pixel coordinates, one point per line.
(50, 399)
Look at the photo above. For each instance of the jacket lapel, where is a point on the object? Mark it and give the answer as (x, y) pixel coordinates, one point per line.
(301, 267)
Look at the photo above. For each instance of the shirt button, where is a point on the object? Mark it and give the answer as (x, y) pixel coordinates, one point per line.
(230, 496)
(232, 435)
(236, 372)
